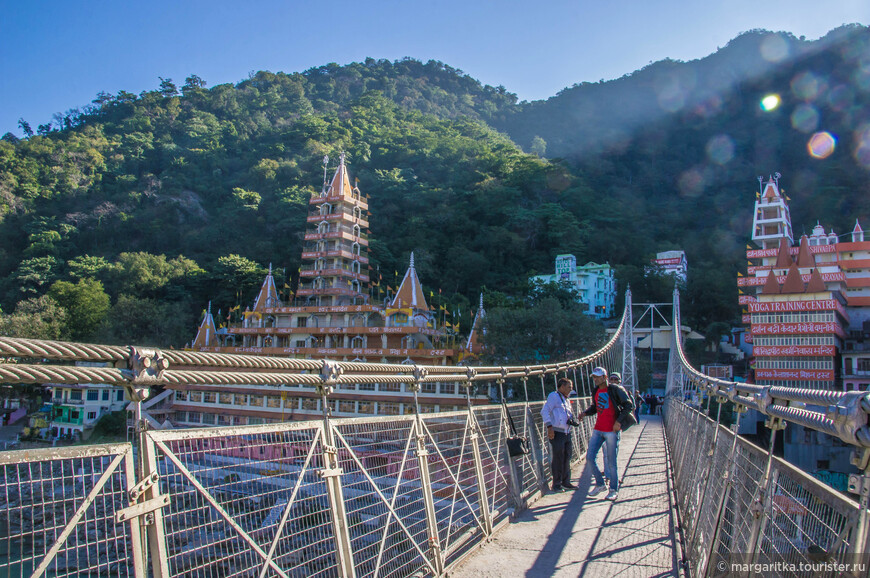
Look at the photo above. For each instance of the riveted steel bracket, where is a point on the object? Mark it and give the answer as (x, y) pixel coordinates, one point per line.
(136, 491)
(330, 473)
(849, 416)
(142, 509)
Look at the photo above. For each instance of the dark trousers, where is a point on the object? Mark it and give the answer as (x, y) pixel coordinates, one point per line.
(561, 449)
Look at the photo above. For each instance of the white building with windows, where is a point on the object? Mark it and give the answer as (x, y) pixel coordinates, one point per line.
(595, 284)
(77, 408)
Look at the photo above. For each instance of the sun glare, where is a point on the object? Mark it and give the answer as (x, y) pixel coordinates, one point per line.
(821, 145)
(770, 102)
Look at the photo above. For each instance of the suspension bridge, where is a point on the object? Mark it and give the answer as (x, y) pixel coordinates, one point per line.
(426, 494)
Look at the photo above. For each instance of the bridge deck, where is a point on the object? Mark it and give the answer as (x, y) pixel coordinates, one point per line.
(570, 534)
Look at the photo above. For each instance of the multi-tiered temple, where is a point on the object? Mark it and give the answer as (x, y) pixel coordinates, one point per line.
(336, 314)
(807, 304)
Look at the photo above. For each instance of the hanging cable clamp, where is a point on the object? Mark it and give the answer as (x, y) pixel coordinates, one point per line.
(145, 368)
(329, 374)
(420, 374)
(850, 417)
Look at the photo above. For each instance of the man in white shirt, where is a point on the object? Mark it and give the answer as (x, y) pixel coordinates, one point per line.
(557, 414)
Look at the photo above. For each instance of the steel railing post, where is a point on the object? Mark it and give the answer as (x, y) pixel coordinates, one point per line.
(711, 457)
(426, 479)
(730, 472)
(860, 484)
(482, 499)
(762, 503)
(534, 440)
(516, 488)
(332, 473)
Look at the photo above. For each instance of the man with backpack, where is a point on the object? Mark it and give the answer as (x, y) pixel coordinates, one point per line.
(612, 407)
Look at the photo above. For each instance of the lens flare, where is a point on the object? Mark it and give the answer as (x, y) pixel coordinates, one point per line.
(806, 86)
(720, 149)
(774, 49)
(805, 118)
(770, 102)
(821, 145)
(862, 146)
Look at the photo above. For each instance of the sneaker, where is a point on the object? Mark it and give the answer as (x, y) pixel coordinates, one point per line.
(569, 486)
(557, 489)
(597, 490)
(611, 495)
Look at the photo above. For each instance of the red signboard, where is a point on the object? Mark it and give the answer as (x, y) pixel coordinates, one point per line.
(674, 261)
(803, 374)
(794, 350)
(814, 249)
(808, 328)
(747, 337)
(798, 306)
(826, 277)
(747, 319)
(744, 299)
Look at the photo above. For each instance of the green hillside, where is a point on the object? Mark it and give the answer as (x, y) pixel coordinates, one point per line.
(145, 207)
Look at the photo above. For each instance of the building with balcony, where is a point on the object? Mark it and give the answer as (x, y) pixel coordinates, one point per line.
(338, 313)
(595, 284)
(77, 408)
(807, 307)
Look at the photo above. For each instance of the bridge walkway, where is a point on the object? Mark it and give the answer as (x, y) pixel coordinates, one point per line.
(570, 534)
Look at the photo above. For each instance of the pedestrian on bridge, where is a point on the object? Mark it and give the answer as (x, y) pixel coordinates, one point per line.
(613, 407)
(558, 417)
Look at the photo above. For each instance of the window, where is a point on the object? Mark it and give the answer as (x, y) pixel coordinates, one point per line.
(345, 406)
(256, 400)
(75, 394)
(301, 322)
(366, 407)
(209, 397)
(388, 408)
(74, 414)
(273, 401)
(823, 464)
(106, 395)
(93, 395)
(208, 418)
(226, 398)
(120, 395)
(195, 396)
(310, 404)
(92, 415)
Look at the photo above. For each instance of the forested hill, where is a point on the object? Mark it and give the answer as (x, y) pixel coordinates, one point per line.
(141, 208)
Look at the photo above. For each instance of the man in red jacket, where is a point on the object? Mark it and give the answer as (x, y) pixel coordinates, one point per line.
(612, 406)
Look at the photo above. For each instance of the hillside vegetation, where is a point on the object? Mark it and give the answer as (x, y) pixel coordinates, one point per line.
(120, 222)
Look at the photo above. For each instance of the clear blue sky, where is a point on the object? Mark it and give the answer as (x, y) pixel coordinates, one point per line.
(56, 55)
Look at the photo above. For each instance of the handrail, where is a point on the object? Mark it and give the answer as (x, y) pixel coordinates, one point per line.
(845, 415)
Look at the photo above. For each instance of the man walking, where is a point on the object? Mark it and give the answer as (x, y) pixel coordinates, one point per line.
(557, 416)
(613, 408)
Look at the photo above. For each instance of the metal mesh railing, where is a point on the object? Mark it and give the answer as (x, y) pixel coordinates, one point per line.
(58, 512)
(739, 502)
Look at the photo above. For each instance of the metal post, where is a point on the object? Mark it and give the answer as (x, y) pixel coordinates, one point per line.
(860, 484)
(482, 500)
(332, 473)
(706, 483)
(426, 480)
(149, 482)
(515, 485)
(761, 505)
(534, 441)
(730, 472)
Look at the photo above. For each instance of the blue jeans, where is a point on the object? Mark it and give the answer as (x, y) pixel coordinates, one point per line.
(611, 441)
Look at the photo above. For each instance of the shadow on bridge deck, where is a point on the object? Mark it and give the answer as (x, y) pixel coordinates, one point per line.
(570, 534)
